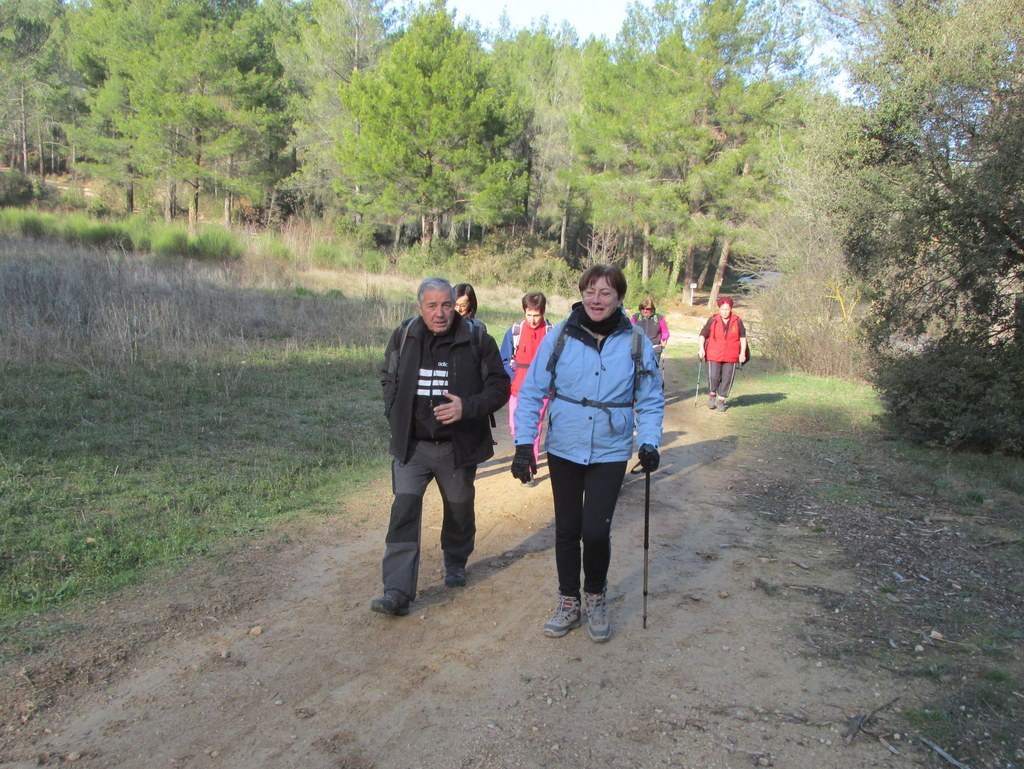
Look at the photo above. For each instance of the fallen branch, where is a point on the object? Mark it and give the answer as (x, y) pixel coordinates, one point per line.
(944, 754)
(888, 745)
(1000, 543)
(858, 722)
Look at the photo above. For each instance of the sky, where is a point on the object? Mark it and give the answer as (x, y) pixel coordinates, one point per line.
(587, 17)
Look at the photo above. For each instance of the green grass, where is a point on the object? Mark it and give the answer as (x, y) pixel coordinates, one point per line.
(101, 480)
(132, 235)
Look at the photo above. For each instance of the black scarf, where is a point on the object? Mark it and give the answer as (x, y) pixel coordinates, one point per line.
(601, 327)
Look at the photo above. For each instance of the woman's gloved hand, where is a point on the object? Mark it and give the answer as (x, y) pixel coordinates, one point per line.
(524, 466)
(649, 458)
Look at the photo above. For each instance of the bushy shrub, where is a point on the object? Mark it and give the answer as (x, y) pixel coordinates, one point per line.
(169, 241)
(80, 229)
(808, 323)
(956, 395)
(216, 244)
(15, 189)
(33, 225)
(271, 246)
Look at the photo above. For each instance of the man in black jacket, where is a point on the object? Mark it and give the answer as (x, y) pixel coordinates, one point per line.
(442, 380)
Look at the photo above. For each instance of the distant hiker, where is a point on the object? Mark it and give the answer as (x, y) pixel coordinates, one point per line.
(466, 306)
(441, 379)
(722, 343)
(653, 325)
(601, 376)
(518, 349)
(466, 303)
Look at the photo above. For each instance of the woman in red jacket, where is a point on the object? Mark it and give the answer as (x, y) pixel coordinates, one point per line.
(723, 344)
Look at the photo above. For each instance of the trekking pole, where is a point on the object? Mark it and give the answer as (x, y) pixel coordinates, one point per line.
(647, 533)
(647, 527)
(696, 393)
(735, 375)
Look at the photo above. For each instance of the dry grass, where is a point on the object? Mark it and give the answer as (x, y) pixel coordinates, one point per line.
(66, 304)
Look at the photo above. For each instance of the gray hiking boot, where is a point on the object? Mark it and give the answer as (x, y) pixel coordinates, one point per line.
(566, 617)
(720, 403)
(711, 401)
(598, 627)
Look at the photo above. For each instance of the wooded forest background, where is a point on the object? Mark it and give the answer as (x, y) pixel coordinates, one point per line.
(703, 139)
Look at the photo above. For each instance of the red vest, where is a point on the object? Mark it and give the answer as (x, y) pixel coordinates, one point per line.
(529, 342)
(723, 344)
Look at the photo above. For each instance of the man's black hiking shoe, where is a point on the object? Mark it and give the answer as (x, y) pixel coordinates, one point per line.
(392, 603)
(455, 576)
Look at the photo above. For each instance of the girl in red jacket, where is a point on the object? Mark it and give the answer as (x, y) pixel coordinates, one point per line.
(723, 344)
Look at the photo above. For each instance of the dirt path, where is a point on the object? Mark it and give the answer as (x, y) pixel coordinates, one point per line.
(276, 661)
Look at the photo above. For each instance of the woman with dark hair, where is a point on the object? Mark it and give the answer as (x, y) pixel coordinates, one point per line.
(602, 379)
(653, 325)
(723, 343)
(465, 301)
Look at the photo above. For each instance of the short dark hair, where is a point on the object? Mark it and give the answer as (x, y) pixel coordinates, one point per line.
(646, 304)
(466, 290)
(535, 300)
(609, 272)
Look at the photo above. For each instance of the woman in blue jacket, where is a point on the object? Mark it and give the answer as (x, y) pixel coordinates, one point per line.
(603, 383)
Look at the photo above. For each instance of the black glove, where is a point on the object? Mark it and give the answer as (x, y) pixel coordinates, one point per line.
(524, 466)
(649, 458)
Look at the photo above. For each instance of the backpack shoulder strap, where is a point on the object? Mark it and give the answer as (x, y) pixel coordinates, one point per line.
(637, 352)
(405, 334)
(556, 353)
(517, 332)
(396, 354)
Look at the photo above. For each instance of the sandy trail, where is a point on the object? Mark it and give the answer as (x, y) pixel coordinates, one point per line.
(304, 675)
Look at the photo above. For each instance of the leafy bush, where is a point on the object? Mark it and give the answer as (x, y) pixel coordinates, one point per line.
(956, 395)
(15, 189)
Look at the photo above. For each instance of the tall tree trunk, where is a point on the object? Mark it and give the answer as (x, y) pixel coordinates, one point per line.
(425, 231)
(129, 198)
(562, 244)
(193, 209)
(688, 269)
(270, 207)
(703, 279)
(645, 266)
(396, 240)
(723, 262)
(23, 126)
(169, 195)
(677, 265)
(228, 198)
